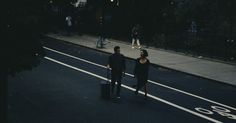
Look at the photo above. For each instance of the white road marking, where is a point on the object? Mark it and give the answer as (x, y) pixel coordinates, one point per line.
(153, 82)
(74, 57)
(132, 89)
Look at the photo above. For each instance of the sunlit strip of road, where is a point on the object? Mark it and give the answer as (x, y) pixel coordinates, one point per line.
(153, 82)
(132, 89)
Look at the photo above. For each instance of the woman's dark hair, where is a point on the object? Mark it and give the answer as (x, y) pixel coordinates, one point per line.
(145, 53)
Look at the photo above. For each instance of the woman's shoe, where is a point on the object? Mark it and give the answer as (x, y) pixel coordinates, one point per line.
(145, 95)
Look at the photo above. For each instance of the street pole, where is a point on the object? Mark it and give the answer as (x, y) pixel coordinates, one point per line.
(231, 19)
(99, 43)
(102, 26)
(231, 40)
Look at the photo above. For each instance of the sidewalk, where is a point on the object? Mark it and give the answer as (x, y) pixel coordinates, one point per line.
(221, 72)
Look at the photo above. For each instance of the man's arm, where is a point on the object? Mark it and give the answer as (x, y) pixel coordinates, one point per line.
(109, 62)
(135, 68)
(123, 62)
(124, 65)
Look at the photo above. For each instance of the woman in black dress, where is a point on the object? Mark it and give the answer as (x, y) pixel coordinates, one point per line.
(141, 71)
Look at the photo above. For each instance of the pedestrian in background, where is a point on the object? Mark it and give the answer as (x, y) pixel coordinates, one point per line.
(101, 39)
(117, 64)
(141, 71)
(135, 34)
(68, 24)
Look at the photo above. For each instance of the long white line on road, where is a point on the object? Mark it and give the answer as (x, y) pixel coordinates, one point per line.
(132, 89)
(153, 82)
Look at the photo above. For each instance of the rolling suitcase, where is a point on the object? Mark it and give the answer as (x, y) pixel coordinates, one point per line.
(105, 87)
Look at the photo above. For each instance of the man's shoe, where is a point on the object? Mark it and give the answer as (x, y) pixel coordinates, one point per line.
(134, 86)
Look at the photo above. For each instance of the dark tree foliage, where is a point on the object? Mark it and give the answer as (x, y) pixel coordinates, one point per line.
(167, 24)
(21, 27)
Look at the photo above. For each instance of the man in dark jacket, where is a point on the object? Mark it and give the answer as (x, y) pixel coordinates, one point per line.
(117, 64)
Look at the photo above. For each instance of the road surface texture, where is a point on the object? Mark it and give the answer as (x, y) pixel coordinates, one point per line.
(65, 88)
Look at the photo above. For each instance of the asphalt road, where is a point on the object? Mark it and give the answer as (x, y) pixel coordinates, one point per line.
(65, 88)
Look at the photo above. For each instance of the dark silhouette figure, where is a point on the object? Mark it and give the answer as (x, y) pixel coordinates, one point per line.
(141, 71)
(117, 64)
(68, 24)
(135, 34)
(101, 39)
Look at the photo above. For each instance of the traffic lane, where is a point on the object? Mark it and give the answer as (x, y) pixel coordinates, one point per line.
(199, 86)
(153, 97)
(209, 109)
(102, 70)
(84, 53)
(76, 50)
(156, 71)
(167, 94)
(54, 93)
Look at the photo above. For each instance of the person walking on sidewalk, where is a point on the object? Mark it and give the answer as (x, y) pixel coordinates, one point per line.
(135, 34)
(116, 62)
(101, 39)
(68, 24)
(141, 71)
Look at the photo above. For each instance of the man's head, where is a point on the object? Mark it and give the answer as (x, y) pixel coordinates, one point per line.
(117, 49)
